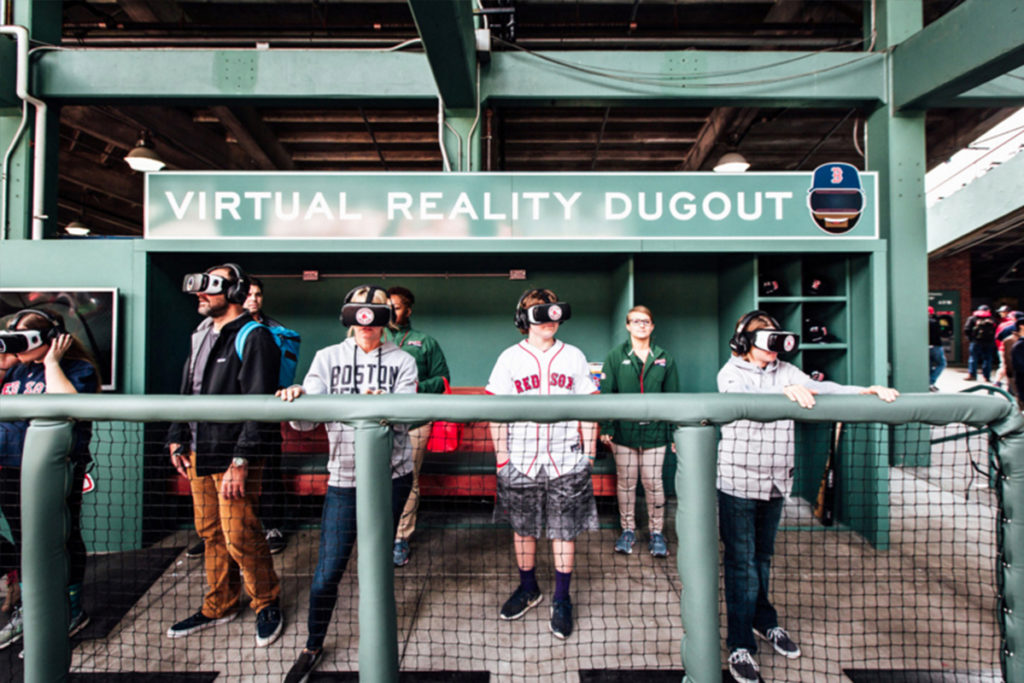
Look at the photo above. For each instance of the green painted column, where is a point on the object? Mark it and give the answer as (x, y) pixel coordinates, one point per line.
(698, 566)
(896, 149)
(378, 629)
(17, 215)
(1010, 567)
(45, 480)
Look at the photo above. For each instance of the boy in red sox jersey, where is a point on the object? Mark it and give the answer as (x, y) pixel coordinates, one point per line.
(544, 469)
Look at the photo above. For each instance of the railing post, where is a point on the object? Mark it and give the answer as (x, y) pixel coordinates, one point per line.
(1010, 569)
(378, 629)
(698, 565)
(45, 480)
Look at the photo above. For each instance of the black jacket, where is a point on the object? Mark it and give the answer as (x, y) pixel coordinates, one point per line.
(256, 373)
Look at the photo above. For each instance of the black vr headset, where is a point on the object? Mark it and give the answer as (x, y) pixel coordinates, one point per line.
(548, 312)
(779, 341)
(18, 341)
(234, 290)
(366, 314)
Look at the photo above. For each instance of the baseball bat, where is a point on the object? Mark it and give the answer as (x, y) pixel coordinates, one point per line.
(825, 507)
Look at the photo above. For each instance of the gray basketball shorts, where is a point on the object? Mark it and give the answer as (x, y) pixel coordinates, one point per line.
(565, 505)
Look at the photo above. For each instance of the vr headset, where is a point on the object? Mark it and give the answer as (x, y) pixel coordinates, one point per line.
(205, 283)
(19, 341)
(557, 312)
(778, 341)
(365, 315)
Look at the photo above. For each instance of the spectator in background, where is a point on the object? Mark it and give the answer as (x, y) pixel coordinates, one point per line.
(224, 461)
(51, 362)
(272, 501)
(1004, 325)
(639, 367)
(936, 354)
(432, 369)
(980, 331)
(1011, 337)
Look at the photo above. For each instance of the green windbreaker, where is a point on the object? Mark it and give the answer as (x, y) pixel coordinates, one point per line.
(623, 374)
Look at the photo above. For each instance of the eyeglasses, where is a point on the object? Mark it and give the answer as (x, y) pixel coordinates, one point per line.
(640, 323)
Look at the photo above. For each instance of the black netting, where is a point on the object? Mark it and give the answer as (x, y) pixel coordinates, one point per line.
(904, 580)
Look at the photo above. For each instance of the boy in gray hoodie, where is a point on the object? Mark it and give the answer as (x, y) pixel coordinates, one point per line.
(755, 476)
(362, 364)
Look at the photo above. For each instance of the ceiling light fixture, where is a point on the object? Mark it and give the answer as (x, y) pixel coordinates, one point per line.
(142, 157)
(77, 228)
(732, 162)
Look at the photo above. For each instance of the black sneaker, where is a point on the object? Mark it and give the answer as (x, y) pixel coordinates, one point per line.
(521, 602)
(276, 540)
(197, 550)
(781, 641)
(269, 624)
(303, 666)
(197, 622)
(743, 667)
(561, 618)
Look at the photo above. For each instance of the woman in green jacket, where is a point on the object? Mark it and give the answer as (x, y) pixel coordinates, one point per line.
(638, 366)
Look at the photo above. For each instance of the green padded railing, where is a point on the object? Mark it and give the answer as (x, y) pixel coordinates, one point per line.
(695, 414)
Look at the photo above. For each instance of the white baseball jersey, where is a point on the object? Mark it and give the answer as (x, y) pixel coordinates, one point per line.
(523, 370)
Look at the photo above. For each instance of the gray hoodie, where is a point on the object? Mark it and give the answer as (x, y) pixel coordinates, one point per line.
(345, 369)
(757, 458)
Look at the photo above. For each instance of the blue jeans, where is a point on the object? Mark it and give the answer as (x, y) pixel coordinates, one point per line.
(337, 539)
(982, 355)
(936, 363)
(748, 529)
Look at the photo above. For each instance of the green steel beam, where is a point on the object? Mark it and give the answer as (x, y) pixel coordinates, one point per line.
(696, 77)
(1005, 91)
(447, 32)
(234, 75)
(700, 78)
(972, 44)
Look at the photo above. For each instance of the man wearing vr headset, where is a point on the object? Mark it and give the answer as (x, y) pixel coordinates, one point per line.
(544, 469)
(224, 461)
(364, 363)
(755, 476)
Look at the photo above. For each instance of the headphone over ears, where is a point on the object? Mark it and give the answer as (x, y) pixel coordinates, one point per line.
(238, 290)
(56, 325)
(740, 341)
(520, 317)
(348, 309)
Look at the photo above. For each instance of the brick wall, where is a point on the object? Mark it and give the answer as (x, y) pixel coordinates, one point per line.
(953, 272)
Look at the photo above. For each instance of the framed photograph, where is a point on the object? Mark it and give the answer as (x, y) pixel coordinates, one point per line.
(89, 314)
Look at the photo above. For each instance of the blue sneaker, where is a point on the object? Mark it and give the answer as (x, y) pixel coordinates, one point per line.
(626, 542)
(658, 546)
(520, 603)
(401, 553)
(561, 618)
(269, 624)
(197, 622)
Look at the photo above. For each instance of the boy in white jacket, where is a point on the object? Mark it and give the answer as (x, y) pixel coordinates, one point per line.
(755, 475)
(362, 364)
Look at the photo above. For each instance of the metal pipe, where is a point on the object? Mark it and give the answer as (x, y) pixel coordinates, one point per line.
(20, 34)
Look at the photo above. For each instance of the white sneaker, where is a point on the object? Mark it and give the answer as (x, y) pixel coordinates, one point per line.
(13, 630)
(743, 667)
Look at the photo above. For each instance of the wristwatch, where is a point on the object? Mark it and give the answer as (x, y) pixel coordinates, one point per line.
(239, 462)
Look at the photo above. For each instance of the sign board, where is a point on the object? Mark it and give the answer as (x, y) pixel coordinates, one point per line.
(834, 202)
(946, 303)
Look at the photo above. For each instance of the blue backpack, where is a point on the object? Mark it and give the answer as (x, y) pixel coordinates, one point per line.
(287, 341)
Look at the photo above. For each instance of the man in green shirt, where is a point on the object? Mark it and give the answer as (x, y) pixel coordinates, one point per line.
(433, 379)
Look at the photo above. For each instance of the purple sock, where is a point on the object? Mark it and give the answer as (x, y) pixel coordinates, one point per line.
(528, 579)
(562, 585)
